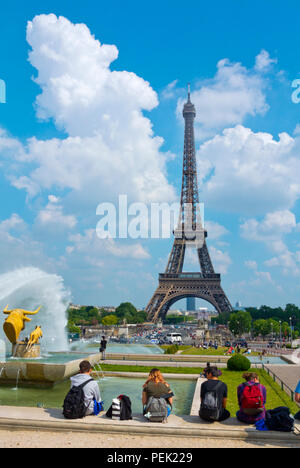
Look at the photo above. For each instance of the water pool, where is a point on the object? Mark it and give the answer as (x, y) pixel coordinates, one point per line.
(51, 358)
(266, 360)
(117, 348)
(110, 387)
(81, 350)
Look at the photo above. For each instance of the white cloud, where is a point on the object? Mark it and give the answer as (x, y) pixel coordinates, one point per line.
(251, 264)
(263, 276)
(18, 248)
(251, 173)
(221, 260)
(110, 146)
(215, 230)
(53, 218)
(233, 94)
(93, 248)
(14, 222)
(289, 262)
(169, 92)
(263, 61)
(78, 89)
(10, 148)
(271, 231)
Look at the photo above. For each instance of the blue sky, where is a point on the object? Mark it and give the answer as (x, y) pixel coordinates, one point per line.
(86, 121)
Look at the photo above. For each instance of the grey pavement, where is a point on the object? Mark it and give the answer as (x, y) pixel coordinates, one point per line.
(42, 419)
(289, 374)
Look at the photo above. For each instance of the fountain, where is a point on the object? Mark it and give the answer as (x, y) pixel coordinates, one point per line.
(30, 363)
(13, 325)
(17, 379)
(32, 287)
(45, 301)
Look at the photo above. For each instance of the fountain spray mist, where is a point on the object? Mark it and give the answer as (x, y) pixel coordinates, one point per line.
(29, 288)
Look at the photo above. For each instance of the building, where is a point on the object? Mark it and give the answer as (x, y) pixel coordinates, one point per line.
(190, 304)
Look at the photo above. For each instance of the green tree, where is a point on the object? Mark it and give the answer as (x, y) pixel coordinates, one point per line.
(127, 311)
(261, 327)
(240, 323)
(141, 316)
(285, 329)
(274, 327)
(72, 328)
(110, 320)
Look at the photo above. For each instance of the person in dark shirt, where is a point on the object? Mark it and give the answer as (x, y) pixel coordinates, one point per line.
(215, 392)
(103, 345)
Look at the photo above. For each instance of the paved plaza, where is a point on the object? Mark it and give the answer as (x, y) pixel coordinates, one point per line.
(178, 427)
(290, 375)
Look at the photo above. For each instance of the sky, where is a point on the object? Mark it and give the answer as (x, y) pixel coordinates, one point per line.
(93, 110)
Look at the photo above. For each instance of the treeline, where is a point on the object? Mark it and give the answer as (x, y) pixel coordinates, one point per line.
(263, 321)
(92, 316)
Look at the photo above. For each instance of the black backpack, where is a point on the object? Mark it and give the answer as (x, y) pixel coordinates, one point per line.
(279, 419)
(210, 405)
(74, 406)
(120, 412)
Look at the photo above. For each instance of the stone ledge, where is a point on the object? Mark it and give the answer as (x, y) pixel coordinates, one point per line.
(33, 419)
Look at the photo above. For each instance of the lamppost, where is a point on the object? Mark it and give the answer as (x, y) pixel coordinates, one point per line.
(291, 328)
(280, 336)
(271, 335)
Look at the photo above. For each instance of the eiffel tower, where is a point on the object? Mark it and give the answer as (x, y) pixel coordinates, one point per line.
(175, 284)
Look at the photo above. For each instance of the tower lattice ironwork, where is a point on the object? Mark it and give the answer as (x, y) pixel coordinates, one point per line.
(175, 284)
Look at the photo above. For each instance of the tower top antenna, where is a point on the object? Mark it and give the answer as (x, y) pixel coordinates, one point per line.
(189, 92)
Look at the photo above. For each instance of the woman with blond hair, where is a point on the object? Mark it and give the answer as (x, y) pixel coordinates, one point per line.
(156, 387)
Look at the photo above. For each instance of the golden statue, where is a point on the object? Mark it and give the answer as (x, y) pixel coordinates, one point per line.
(34, 338)
(15, 322)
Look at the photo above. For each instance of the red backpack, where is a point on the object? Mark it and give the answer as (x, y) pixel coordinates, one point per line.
(252, 397)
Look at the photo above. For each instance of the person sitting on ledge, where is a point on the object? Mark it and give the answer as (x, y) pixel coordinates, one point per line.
(91, 390)
(252, 397)
(156, 386)
(297, 400)
(214, 395)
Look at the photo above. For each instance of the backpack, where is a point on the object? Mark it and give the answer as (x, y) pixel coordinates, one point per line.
(126, 411)
(156, 410)
(74, 406)
(120, 408)
(252, 398)
(211, 407)
(279, 419)
(116, 409)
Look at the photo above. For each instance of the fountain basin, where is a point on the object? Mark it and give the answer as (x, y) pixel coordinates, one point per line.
(28, 373)
(20, 351)
(110, 387)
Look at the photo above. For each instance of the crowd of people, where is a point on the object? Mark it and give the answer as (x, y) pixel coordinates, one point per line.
(157, 396)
